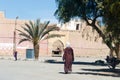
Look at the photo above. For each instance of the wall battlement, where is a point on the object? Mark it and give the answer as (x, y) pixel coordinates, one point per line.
(2, 15)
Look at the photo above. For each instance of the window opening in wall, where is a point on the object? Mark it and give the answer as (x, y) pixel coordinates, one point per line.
(77, 26)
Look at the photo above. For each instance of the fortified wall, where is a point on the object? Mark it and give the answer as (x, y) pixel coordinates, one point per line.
(85, 41)
(83, 46)
(7, 28)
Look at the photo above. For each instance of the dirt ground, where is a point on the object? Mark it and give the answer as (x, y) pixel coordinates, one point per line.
(52, 68)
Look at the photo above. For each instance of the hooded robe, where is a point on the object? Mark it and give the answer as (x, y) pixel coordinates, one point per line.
(68, 58)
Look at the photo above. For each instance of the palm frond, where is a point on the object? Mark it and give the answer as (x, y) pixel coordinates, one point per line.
(48, 30)
(24, 34)
(36, 31)
(37, 27)
(52, 36)
(29, 30)
(43, 27)
(22, 40)
(32, 25)
(19, 31)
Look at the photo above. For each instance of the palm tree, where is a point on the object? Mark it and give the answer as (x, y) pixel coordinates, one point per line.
(34, 32)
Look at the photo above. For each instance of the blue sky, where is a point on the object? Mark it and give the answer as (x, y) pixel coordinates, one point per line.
(29, 9)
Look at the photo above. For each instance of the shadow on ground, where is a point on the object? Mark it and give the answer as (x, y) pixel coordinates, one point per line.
(52, 61)
(98, 72)
(101, 72)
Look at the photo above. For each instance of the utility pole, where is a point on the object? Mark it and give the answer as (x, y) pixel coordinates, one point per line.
(14, 38)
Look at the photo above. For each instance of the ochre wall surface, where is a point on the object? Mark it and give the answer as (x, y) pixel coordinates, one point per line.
(85, 42)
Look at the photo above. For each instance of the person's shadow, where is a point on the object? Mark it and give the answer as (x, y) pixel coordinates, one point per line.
(98, 72)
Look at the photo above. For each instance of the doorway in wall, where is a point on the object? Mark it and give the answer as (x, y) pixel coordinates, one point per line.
(58, 47)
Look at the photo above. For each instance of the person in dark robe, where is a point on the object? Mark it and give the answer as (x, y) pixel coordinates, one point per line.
(15, 55)
(68, 58)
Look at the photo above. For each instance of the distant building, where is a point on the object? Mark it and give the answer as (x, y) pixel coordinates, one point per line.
(84, 40)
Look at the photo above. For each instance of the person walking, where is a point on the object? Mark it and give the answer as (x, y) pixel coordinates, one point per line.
(68, 58)
(15, 55)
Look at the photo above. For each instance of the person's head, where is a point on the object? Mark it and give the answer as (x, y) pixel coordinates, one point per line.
(67, 44)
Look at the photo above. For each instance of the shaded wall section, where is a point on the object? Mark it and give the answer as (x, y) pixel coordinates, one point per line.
(83, 46)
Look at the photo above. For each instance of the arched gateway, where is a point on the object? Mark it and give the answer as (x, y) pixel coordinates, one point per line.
(58, 47)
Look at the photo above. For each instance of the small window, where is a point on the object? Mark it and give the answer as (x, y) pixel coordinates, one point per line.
(77, 26)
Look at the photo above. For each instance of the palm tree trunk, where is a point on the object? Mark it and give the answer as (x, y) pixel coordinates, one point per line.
(36, 51)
